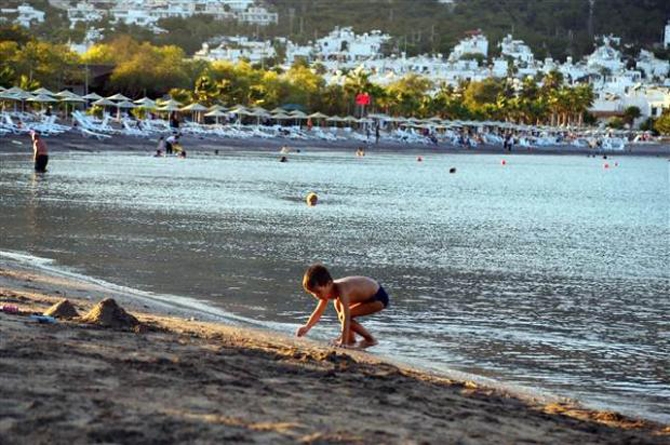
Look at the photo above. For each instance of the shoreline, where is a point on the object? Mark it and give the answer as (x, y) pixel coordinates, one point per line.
(188, 380)
(73, 141)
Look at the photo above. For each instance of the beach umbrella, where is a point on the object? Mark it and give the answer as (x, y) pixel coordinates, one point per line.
(218, 107)
(43, 91)
(72, 100)
(118, 97)
(170, 103)
(104, 103)
(318, 115)
(15, 90)
(216, 114)
(240, 109)
(145, 102)
(42, 99)
(5, 95)
(298, 114)
(66, 93)
(278, 110)
(92, 96)
(196, 109)
(169, 107)
(126, 105)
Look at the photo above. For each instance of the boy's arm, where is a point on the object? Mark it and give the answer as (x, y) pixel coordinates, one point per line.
(313, 319)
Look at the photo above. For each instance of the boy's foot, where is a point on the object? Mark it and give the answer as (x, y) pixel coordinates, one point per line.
(364, 344)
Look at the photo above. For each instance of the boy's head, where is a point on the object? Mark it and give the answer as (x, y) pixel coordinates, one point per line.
(316, 276)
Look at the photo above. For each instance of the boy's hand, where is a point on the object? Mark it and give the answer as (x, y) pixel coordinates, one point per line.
(302, 330)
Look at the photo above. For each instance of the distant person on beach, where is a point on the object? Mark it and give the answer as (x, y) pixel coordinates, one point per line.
(170, 143)
(40, 153)
(161, 144)
(174, 121)
(352, 297)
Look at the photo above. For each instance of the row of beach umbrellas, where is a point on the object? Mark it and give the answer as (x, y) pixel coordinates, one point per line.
(119, 101)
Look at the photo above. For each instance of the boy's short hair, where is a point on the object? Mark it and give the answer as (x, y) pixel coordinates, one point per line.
(316, 275)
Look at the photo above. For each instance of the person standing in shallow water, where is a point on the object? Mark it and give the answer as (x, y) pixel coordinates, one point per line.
(40, 153)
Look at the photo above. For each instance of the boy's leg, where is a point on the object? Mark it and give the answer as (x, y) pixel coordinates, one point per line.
(351, 338)
(360, 310)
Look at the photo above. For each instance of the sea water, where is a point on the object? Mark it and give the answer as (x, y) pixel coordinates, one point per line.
(543, 271)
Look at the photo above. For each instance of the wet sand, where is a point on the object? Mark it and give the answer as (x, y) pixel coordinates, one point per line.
(74, 141)
(177, 379)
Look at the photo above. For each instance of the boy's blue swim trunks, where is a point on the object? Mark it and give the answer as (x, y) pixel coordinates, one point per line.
(382, 296)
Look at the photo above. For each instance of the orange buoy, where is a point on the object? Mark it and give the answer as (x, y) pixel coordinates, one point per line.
(606, 165)
(312, 199)
(503, 162)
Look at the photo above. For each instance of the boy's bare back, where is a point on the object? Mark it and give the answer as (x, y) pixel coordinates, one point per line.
(358, 289)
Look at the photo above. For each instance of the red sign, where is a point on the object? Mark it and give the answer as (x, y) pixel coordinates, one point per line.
(363, 99)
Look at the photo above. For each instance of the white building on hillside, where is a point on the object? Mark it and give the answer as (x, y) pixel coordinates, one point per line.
(343, 45)
(651, 66)
(477, 43)
(237, 49)
(83, 12)
(651, 101)
(26, 15)
(517, 50)
(258, 16)
(605, 57)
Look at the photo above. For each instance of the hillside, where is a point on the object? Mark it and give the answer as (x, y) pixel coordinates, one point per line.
(552, 27)
(558, 28)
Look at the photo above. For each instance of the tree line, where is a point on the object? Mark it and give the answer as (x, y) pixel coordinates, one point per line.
(140, 68)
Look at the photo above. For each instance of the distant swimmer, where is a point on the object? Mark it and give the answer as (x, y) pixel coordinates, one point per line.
(40, 153)
(285, 150)
(283, 159)
(352, 297)
(360, 152)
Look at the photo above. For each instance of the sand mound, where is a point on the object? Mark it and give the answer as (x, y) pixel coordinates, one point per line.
(62, 309)
(108, 313)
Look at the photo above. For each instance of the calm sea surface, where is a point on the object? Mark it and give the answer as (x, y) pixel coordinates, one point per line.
(548, 272)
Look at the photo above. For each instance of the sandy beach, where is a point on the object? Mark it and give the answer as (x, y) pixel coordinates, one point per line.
(175, 379)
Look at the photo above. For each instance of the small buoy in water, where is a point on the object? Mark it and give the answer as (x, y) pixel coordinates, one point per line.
(616, 164)
(312, 199)
(419, 159)
(503, 162)
(452, 170)
(606, 165)
(283, 159)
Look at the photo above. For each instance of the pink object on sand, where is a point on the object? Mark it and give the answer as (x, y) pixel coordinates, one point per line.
(10, 309)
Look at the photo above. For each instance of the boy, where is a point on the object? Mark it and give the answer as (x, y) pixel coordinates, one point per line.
(352, 297)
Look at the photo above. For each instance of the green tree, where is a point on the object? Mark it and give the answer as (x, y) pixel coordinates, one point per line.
(630, 114)
(662, 124)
